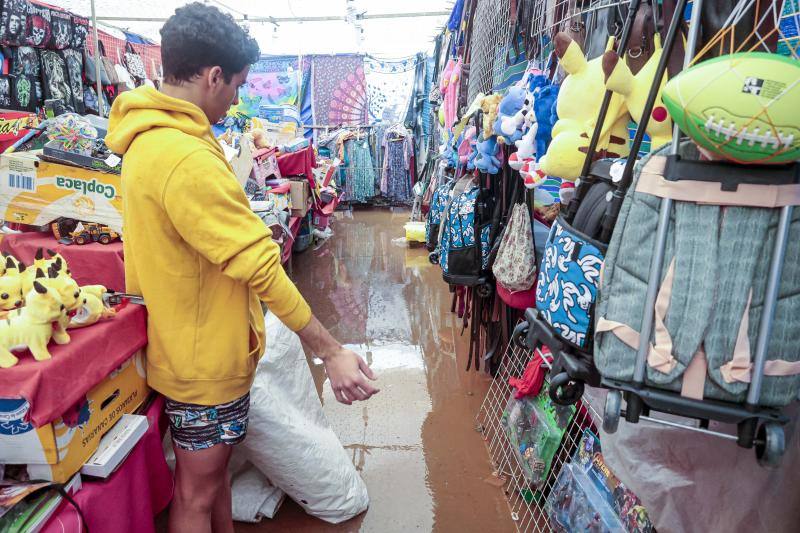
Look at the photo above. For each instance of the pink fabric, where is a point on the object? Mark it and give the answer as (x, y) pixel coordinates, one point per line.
(449, 89)
(91, 264)
(53, 387)
(518, 300)
(129, 500)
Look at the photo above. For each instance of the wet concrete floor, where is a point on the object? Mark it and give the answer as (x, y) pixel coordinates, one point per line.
(415, 443)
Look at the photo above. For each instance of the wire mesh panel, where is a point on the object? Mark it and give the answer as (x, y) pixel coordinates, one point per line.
(491, 32)
(527, 500)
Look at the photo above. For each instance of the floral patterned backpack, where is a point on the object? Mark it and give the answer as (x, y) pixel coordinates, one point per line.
(515, 265)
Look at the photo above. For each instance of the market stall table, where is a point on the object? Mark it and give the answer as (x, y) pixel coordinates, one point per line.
(52, 387)
(132, 496)
(91, 264)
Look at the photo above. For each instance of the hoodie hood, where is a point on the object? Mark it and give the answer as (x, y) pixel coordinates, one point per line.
(145, 108)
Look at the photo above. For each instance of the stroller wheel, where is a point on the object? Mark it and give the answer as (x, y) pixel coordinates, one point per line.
(484, 290)
(564, 390)
(612, 411)
(770, 444)
(433, 257)
(519, 336)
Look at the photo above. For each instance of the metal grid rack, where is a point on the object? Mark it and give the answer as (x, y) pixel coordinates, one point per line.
(491, 33)
(529, 513)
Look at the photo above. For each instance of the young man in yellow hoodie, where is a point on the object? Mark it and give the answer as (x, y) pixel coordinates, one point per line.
(203, 261)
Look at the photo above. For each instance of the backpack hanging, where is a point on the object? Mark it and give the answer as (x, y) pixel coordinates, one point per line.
(13, 22)
(38, 26)
(134, 63)
(61, 30)
(515, 265)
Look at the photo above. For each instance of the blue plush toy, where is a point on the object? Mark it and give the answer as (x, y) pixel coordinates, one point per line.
(545, 109)
(487, 156)
(510, 118)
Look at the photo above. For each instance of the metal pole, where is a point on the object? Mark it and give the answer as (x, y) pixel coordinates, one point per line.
(100, 107)
(770, 301)
(663, 222)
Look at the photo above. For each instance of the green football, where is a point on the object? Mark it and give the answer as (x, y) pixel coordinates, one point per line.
(743, 107)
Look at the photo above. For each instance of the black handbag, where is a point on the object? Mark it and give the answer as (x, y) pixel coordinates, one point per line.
(38, 26)
(61, 34)
(55, 77)
(74, 61)
(80, 30)
(13, 22)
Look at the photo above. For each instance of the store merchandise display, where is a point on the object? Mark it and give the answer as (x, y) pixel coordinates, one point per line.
(588, 130)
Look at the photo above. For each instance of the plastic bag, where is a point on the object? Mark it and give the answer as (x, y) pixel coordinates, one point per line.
(289, 438)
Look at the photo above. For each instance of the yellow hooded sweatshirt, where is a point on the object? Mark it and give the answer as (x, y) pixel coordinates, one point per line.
(195, 251)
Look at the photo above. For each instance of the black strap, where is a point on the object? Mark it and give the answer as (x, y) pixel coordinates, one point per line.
(64, 494)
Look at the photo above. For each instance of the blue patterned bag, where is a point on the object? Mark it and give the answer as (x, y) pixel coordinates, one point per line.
(434, 221)
(567, 286)
(464, 243)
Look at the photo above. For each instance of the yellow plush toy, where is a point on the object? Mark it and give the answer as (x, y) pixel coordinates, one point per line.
(92, 309)
(578, 106)
(10, 286)
(32, 326)
(634, 89)
(490, 107)
(29, 274)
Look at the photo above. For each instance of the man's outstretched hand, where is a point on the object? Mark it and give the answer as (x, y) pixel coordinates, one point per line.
(348, 373)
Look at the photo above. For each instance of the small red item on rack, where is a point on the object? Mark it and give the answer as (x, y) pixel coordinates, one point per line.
(532, 380)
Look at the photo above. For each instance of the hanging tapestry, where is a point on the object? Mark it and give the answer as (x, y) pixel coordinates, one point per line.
(389, 87)
(25, 62)
(339, 90)
(56, 78)
(61, 25)
(74, 60)
(5, 92)
(38, 26)
(13, 22)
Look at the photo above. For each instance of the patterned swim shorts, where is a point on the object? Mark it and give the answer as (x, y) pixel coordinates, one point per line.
(197, 427)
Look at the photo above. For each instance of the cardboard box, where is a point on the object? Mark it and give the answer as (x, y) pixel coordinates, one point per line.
(300, 193)
(115, 446)
(58, 450)
(36, 192)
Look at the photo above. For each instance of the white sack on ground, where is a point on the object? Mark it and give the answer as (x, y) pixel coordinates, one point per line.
(254, 497)
(289, 439)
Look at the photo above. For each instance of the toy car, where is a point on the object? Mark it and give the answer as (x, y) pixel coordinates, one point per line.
(90, 232)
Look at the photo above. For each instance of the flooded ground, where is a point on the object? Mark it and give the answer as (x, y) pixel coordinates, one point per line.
(415, 443)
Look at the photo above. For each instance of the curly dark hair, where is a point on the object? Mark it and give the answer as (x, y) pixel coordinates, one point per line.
(199, 36)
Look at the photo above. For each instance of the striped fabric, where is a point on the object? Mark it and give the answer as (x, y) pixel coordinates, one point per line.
(198, 427)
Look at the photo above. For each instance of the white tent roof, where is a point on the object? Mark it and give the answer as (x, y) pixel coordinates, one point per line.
(396, 37)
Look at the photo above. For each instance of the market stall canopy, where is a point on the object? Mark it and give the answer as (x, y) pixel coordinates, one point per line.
(388, 37)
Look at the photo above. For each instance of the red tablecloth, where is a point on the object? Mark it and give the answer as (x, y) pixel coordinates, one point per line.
(51, 387)
(91, 264)
(131, 497)
(300, 163)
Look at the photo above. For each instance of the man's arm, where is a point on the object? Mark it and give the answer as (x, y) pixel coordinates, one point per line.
(206, 206)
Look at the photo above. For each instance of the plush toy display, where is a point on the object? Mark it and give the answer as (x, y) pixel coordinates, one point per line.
(8, 261)
(743, 107)
(578, 105)
(635, 89)
(487, 160)
(40, 263)
(489, 106)
(466, 149)
(32, 326)
(510, 118)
